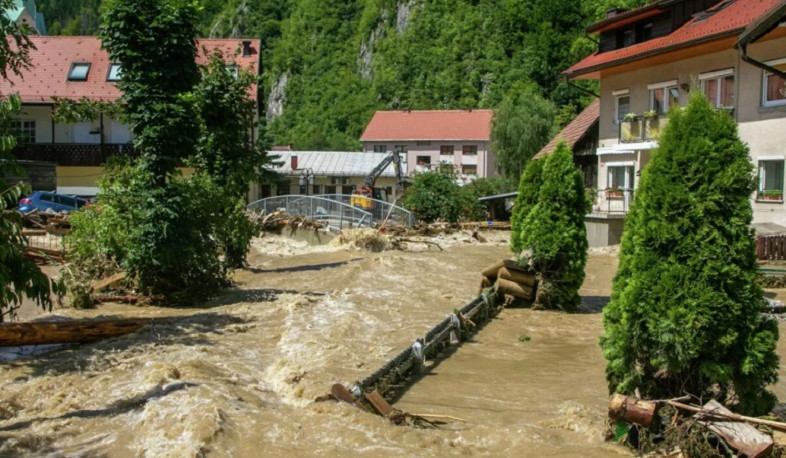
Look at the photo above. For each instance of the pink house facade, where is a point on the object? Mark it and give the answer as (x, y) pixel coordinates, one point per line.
(427, 138)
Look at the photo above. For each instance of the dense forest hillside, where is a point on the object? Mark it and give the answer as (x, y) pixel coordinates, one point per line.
(329, 65)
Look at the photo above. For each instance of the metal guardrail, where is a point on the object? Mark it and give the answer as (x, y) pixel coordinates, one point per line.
(379, 210)
(334, 209)
(335, 214)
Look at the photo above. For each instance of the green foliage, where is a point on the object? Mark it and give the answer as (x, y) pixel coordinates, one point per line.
(529, 189)
(226, 150)
(685, 313)
(436, 196)
(84, 109)
(156, 42)
(167, 239)
(553, 235)
(19, 276)
(521, 126)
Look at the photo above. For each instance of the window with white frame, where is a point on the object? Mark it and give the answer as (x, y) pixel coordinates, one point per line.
(25, 130)
(620, 177)
(774, 86)
(718, 87)
(663, 96)
(621, 104)
(771, 179)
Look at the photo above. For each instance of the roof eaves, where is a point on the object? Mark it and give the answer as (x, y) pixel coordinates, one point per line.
(763, 25)
(651, 52)
(623, 17)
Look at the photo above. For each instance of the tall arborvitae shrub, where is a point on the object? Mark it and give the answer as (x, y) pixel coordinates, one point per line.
(553, 235)
(529, 186)
(685, 313)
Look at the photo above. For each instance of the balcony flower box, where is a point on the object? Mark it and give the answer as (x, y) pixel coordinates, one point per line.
(630, 130)
(772, 195)
(614, 193)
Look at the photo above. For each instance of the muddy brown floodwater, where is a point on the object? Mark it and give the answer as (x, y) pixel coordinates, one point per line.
(237, 376)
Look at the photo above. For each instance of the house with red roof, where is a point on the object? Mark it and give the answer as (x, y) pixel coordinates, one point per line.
(73, 68)
(429, 137)
(650, 58)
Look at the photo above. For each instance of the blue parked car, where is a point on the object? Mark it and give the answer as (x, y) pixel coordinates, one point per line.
(42, 200)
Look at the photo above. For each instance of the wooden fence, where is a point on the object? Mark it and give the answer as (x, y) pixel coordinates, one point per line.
(771, 247)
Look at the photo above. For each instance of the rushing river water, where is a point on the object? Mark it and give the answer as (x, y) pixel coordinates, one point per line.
(238, 376)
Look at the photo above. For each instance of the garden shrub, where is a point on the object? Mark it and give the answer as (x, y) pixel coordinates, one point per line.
(553, 235)
(435, 196)
(685, 312)
(529, 187)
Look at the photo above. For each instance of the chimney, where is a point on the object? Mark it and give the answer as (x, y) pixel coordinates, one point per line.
(293, 162)
(246, 48)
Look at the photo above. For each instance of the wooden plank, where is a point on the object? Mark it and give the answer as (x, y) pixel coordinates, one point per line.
(58, 332)
(517, 276)
(33, 232)
(341, 393)
(379, 403)
(108, 281)
(739, 435)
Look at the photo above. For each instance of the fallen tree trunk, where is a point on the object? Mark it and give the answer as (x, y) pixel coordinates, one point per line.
(631, 409)
(517, 276)
(514, 289)
(60, 332)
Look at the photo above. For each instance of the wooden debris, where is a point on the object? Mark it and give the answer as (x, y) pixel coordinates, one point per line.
(125, 298)
(60, 332)
(517, 276)
(632, 410)
(728, 416)
(341, 393)
(739, 435)
(108, 281)
(514, 289)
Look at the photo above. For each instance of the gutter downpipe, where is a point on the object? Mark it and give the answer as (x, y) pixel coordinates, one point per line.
(745, 57)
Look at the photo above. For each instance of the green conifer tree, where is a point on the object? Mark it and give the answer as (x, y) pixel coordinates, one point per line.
(553, 235)
(529, 186)
(685, 313)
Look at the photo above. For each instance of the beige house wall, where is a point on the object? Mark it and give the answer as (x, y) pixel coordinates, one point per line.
(762, 128)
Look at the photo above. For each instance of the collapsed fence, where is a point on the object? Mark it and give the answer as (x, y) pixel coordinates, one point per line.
(497, 287)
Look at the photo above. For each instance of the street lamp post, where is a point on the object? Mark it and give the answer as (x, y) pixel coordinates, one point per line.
(306, 180)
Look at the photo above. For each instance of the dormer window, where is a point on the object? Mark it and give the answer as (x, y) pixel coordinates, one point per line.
(79, 71)
(114, 72)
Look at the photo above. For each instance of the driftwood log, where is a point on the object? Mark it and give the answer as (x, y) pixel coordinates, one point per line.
(60, 332)
(514, 289)
(632, 410)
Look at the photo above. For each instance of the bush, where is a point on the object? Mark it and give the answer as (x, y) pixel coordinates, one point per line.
(529, 187)
(685, 312)
(166, 239)
(553, 235)
(436, 195)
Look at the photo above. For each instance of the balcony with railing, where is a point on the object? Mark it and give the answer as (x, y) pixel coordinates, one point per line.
(642, 128)
(72, 154)
(612, 201)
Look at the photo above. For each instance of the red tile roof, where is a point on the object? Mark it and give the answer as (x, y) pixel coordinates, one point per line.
(52, 60)
(730, 17)
(429, 125)
(576, 130)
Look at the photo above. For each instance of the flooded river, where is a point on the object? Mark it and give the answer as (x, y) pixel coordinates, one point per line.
(238, 376)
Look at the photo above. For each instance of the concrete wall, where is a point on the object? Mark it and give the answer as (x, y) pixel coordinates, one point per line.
(484, 161)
